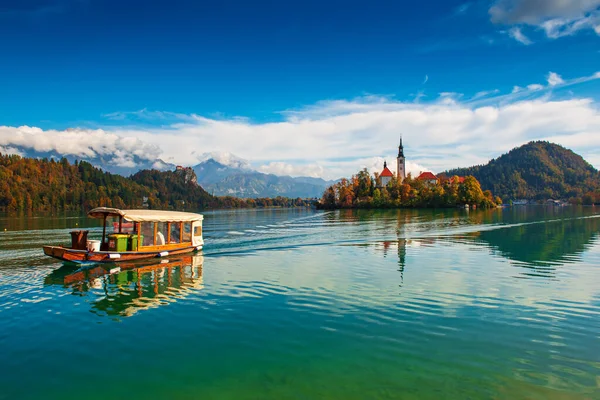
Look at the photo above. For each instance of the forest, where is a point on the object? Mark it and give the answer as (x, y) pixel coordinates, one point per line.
(364, 191)
(28, 184)
(538, 171)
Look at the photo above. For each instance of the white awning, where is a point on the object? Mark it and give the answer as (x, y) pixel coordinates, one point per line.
(145, 215)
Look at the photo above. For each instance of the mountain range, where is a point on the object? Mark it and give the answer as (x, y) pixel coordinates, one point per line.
(220, 173)
(536, 170)
(240, 181)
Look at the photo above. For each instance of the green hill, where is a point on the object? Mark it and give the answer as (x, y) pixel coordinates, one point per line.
(29, 184)
(178, 189)
(537, 170)
(47, 185)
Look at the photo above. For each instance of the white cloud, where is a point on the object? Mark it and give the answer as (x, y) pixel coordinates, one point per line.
(337, 138)
(535, 87)
(10, 151)
(554, 79)
(225, 158)
(516, 89)
(282, 168)
(557, 18)
(484, 93)
(559, 27)
(119, 147)
(516, 34)
(161, 165)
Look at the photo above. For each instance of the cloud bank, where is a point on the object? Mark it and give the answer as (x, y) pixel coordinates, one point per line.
(121, 148)
(337, 138)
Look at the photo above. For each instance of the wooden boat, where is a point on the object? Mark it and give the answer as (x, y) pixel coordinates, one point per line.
(151, 233)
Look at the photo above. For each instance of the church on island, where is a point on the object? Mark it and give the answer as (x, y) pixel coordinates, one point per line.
(386, 175)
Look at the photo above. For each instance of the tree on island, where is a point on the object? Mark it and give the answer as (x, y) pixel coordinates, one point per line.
(366, 191)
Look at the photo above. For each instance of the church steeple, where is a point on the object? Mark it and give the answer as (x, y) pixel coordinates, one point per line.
(400, 148)
(401, 162)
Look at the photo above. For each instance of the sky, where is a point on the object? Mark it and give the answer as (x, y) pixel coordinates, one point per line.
(315, 88)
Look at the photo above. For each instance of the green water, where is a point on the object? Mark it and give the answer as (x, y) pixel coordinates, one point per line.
(298, 304)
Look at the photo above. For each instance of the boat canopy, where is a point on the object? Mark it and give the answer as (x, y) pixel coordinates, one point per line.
(145, 215)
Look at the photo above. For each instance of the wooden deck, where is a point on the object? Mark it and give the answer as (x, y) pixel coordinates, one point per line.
(85, 256)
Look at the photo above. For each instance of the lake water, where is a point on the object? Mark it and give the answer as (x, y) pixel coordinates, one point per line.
(300, 304)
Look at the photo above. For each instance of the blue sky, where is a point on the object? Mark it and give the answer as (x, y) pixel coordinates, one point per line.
(274, 73)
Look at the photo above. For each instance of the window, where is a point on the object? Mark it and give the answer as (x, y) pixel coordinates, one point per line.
(197, 231)
(187, 232)
(175, 232)
(126, 226)
(161, 234)
(147, 233)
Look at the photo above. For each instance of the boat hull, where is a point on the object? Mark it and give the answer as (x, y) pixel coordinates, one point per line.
(85, 256)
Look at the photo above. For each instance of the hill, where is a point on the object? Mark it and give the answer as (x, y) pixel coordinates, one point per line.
(537, 170)
(50, 185)
(220, 173)
(177, 189)
(230, 180)
(33, 184)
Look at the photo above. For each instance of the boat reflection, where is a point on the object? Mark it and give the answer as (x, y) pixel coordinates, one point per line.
(127, 288)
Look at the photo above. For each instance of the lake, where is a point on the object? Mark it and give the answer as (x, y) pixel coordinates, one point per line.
(302, 304)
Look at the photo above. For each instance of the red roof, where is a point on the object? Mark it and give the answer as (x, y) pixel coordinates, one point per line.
(386, 172)
(427, 176)
(461, 179)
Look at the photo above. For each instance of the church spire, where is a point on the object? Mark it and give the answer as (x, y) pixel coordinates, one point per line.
(400, 148)
(401, 163)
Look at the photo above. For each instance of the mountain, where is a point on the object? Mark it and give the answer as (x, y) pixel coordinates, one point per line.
(220, 173)
(225, 158)
(114, 163)
(536, 170)
(238, 180)
(177, 188)
(211, 171)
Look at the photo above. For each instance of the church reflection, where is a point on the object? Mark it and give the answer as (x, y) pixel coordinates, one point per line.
(401, 249)
(128, 288)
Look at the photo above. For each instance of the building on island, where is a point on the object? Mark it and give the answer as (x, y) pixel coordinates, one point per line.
(386, 175)
(428, 177)
(460, 179)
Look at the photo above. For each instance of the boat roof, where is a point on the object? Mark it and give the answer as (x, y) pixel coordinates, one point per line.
(145, 215)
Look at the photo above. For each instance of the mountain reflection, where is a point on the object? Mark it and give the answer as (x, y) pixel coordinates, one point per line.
(128, 288)
(536, 238)
(545, 243)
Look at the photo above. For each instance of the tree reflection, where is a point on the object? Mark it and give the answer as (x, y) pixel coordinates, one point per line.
(538, 238)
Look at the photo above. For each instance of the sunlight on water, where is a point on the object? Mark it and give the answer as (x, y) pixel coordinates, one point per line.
(303, 304)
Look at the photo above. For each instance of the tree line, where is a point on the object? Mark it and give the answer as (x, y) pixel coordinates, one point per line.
(28, 184)
(365, 191)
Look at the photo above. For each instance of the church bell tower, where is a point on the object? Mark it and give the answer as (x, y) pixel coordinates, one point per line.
(401, 162)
